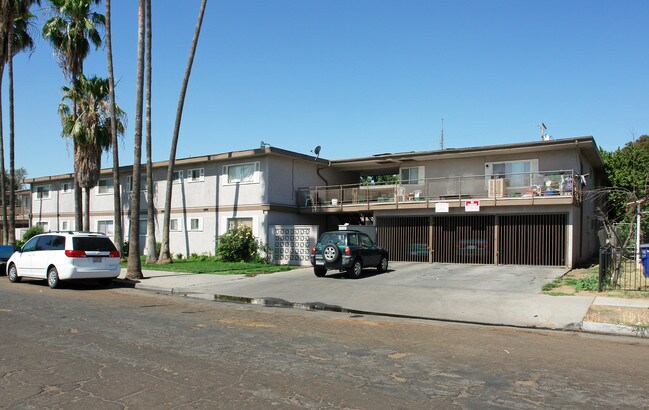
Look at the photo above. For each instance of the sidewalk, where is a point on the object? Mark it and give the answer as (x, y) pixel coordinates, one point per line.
(300, 288)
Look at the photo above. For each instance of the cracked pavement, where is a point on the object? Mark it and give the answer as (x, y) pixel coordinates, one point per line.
(85, 347)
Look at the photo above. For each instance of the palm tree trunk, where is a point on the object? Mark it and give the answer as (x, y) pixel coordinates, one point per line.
(165, 255)
(86, 211)
(151, 254)
(118, 237)
(11, 238)
(134, 266)
(3, 183)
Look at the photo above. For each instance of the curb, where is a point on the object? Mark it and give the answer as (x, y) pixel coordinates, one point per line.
(615, 329)
(589, 327)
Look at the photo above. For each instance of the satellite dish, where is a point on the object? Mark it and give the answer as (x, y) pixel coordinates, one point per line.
(316, 151)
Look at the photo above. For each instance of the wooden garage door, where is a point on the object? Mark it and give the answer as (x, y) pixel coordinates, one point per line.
(463, 239)
(405, 238)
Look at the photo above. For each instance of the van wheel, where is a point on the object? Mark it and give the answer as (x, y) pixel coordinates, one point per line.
(354, 272)
(13, 274)
(53, 278)
(320, 272)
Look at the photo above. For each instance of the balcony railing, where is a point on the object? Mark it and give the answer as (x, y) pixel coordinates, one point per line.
(527, 185)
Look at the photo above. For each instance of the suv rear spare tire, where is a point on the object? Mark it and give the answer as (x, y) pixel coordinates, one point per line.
(330, 253)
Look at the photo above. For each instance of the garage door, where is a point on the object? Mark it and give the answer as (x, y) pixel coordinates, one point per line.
(480, 239)
(533, 240)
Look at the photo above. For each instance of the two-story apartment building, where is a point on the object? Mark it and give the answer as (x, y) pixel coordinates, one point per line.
(523, 203)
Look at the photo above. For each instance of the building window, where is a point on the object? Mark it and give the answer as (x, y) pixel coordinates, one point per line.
(105, 186)
(243, 173)
(519, 174)
(177, 177)
(43, 192)
(196, 224)
(174, 225)
(234, 223)
(412, 176)
(65, 225)
(66, 187)
(105, 227)
(129, 183)
(45, 226)
(196, 175)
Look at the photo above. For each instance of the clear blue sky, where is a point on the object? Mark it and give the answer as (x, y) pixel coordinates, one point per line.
(359, 77)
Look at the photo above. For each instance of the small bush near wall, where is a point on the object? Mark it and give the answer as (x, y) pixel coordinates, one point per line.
(31, 232)
(239, 244)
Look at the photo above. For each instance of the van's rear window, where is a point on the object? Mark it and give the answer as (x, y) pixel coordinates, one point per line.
(93, 243)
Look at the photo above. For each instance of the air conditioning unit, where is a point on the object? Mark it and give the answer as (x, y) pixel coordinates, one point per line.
(497, 188)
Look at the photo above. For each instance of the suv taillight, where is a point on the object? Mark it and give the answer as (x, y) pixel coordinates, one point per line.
(114, 254)
(313, 250)
(347, 251)
(73, 253)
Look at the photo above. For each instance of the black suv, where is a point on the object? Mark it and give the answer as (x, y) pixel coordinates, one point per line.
(347, 250)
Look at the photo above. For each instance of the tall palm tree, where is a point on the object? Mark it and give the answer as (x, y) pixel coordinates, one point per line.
(22, 42)
(15, 21)
(165, 255)
(90, 129)
(70, 33)
(118, 236)
(134, 266)
(151, 254)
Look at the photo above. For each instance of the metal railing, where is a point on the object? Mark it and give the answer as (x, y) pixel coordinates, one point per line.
(619, 270)
(560, 183)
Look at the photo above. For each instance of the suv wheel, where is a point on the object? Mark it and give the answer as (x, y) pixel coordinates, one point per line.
(354, 272)
(383, 266)
(13, 274)
(320, 272)
(53, 278)
(331, 253)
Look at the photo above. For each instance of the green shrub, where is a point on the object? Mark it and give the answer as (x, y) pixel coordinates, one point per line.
(31, 232)
(588, 284)
(179, 256)
(237, 245)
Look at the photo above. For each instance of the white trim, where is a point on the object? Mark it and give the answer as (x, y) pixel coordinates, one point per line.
(421, 169)
(112, 230)
(111, 186)
(45, 225)
(178, 180)
(129, 183)
(47, 189)
(200, 224)
(254, 177)
(191, 178)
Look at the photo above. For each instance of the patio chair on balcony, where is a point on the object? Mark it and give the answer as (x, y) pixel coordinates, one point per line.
(417, 195)
(400, 194)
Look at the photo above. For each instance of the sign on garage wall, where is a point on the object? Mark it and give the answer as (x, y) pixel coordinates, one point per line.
(291, 244)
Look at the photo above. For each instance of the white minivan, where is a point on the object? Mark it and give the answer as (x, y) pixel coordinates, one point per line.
(58, 256)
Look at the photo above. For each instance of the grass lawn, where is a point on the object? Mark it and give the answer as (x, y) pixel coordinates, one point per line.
(584, 282)
(215, 267)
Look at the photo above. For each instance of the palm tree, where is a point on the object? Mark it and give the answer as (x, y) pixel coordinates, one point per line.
(90, 129)
(151, 254)
(165, 255)
(134, 266)
(70, 33)
(118, 237)
(15, 21)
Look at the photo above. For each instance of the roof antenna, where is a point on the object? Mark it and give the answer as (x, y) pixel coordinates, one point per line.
(544, 136)
(316, 151)
(441, 137)
(264, 145)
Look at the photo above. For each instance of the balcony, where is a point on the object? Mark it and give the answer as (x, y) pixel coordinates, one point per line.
(562, 187)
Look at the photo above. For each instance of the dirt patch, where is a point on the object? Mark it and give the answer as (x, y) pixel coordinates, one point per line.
(629, 316)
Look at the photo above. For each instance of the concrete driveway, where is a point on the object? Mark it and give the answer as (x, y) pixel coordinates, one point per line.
(507, 295)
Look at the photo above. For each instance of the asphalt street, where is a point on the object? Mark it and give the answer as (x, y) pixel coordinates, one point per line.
(85, 347)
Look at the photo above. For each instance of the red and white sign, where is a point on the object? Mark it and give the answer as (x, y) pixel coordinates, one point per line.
(472, 206)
